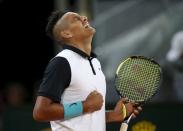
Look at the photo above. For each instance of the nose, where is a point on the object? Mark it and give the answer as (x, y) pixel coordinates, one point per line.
(84, 18)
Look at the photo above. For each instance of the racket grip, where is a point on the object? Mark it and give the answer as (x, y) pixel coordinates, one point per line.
(124, 126)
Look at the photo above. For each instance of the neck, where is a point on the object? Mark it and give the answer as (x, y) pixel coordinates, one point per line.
(84, 45)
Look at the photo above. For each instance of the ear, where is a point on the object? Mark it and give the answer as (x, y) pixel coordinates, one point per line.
(66, 34)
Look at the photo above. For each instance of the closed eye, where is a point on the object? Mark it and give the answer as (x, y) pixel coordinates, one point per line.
(77, 18)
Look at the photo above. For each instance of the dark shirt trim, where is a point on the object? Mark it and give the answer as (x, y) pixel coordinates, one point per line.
(90, 61)
(78, 51)
(83, 54)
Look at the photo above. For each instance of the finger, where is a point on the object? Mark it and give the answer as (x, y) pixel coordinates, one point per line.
(139, 108)
(135, 104)
(95, 92)
(136, 112)
(124, 100)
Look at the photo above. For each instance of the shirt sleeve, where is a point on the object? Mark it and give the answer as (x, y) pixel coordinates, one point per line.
(57, 77)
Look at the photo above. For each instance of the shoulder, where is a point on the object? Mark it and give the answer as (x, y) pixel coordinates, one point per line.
(57, 63)
(66, 54)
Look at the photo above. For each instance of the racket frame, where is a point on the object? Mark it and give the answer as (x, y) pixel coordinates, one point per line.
(145, 58)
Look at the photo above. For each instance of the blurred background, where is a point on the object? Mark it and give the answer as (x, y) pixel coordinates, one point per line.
(151, 28)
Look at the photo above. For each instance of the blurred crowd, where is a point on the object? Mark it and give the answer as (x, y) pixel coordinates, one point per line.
(172, 84)
(15, 95)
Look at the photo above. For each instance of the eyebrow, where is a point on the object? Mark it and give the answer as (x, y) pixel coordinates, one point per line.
(74, 16)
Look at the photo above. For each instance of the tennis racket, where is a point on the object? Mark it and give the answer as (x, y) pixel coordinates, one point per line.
(138, 79)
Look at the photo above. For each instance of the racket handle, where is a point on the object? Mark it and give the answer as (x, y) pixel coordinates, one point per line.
(124, 126)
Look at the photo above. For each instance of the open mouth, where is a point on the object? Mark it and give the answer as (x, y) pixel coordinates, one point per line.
(86, 26)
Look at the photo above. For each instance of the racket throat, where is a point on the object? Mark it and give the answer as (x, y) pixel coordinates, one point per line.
(129, 118)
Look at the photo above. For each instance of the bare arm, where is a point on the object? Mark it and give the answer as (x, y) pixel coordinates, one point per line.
(112, 116)
(47, 110)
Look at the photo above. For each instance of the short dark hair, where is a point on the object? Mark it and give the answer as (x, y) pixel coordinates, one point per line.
(52, 20)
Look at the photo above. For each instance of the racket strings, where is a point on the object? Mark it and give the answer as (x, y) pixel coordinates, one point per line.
(137, 79)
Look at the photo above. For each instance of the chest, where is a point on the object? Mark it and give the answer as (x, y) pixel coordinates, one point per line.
(87, 76)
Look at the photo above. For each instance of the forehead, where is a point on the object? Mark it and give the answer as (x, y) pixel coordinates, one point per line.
(69, 15)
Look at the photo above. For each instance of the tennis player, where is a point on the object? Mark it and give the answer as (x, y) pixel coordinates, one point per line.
(72, 93)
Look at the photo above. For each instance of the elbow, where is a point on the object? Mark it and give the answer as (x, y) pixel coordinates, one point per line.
(41, 112)
(38, 115)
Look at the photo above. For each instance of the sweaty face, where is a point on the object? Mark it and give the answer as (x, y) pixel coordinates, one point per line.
(78, 25)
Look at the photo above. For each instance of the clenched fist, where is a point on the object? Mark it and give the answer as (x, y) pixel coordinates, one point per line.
(93, 102)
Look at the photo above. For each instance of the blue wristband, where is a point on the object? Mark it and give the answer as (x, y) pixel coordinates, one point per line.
(73, 109)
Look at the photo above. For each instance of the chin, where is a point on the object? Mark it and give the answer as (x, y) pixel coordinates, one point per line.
(93, 31)
(90, 32)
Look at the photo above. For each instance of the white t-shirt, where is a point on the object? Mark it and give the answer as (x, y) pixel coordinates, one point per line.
(86, 76)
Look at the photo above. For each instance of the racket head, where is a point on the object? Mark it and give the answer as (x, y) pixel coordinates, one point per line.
(138, 78)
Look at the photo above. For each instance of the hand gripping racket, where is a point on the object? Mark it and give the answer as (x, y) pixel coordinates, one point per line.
(137, 78)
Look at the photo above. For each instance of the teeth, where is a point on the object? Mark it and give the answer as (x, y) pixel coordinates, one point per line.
(87, 25)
